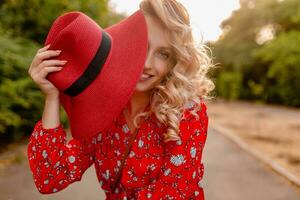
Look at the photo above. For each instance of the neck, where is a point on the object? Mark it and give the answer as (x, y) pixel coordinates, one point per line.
(138, 102)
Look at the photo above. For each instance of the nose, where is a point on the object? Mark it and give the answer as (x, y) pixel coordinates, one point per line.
(148, 61)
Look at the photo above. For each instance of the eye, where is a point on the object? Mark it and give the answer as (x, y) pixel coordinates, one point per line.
(164, 55)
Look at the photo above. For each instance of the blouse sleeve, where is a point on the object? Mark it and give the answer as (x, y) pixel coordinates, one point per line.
(182, 171)
(54, 162)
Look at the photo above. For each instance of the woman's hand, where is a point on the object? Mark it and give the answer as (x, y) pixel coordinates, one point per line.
(40, 68)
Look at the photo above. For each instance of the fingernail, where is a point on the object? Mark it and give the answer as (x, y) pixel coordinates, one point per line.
(64, 61)
(48, 45)
(58, 51)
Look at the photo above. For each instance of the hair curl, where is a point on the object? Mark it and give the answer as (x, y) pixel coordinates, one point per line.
(187, 79)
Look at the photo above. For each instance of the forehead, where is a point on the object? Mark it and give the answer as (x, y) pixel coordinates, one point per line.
(157, 33)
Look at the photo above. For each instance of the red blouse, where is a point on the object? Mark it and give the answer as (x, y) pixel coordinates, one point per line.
(154, 169)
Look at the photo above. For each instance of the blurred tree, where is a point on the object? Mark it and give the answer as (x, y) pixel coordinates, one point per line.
(32, 18)
(282, 55)
(246, 46)
(16, 87)
(228, 85)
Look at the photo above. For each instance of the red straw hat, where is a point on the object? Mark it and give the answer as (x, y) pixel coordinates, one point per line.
(103, 68)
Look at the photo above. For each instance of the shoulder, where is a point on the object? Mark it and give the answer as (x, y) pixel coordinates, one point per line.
(191, 107)
(194, 119)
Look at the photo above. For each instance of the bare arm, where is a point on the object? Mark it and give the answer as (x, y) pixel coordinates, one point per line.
(54, 162)
(50, 118)
(40, 67)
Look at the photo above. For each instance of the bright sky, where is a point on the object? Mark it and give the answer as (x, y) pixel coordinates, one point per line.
(205, 15)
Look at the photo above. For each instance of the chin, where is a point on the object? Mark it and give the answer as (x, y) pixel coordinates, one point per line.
(144, 87)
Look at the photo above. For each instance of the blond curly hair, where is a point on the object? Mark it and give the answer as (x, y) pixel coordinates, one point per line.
(187, 80)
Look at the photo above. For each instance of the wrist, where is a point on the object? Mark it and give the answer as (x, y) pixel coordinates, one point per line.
(52, 96)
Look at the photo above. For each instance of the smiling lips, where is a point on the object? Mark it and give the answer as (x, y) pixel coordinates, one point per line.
(145, 77)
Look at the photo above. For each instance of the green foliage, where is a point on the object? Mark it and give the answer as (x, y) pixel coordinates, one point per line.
(270, 67)
(32, 18)
(256, 88)
(16, 87)
(282, 55)
(287, 15)
(228, 85)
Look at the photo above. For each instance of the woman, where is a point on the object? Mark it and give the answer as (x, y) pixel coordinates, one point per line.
(167, 111)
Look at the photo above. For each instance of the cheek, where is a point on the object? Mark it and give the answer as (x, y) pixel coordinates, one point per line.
(161, 69)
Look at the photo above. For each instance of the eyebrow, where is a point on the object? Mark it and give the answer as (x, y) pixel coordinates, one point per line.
(165, 48)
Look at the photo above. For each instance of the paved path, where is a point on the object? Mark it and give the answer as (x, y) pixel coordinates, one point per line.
(230, 174)
(16, 183)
